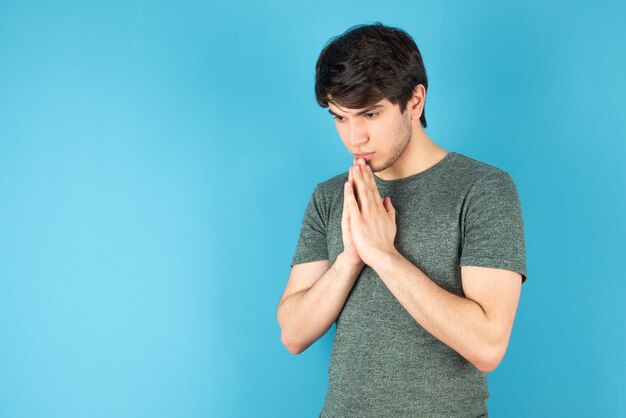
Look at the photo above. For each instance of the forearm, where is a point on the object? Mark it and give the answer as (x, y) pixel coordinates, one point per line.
(458, 322)
(305, 316)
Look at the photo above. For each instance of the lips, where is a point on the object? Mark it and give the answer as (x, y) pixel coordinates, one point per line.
(366, 156)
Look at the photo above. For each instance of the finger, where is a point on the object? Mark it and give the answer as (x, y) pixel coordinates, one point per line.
(371, 183)
(362, 190)
(353, 184)
(345, 214)
(390, 209)
(367, 177)
(353, 209)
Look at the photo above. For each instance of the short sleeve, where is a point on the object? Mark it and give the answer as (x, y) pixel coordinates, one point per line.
(493, 233)
(312, 244)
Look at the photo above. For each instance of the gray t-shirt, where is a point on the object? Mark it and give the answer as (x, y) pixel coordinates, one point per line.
(458, 212)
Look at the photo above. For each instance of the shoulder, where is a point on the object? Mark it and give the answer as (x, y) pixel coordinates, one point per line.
(333, 186)
(327, 195)
(479, 174)
(476, 169)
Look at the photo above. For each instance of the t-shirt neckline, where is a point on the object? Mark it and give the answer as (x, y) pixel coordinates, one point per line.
(422, 173)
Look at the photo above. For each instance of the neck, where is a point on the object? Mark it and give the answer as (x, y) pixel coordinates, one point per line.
(420, 154)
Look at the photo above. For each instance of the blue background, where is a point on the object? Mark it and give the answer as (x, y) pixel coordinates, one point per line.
(156, 159)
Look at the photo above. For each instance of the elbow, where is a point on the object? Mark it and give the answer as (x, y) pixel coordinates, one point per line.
(492, 352)
(292, 347)
(490, 357)
(487, 365)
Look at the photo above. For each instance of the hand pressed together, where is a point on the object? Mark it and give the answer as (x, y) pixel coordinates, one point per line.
(370, 221)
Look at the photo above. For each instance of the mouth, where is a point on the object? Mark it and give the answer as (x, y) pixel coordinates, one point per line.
(368, 156)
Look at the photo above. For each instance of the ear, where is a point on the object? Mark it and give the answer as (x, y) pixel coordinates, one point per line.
(415, 106)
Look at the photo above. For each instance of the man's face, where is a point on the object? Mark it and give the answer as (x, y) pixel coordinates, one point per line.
(379, 129)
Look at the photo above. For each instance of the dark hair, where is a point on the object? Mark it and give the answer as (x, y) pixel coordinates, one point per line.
(369, 63)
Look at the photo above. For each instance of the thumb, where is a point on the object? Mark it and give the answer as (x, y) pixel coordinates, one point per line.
(390, 209)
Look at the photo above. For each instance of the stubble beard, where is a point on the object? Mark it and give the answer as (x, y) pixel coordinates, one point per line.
(402, 141)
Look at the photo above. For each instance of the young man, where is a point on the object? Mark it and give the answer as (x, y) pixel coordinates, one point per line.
(416, 253)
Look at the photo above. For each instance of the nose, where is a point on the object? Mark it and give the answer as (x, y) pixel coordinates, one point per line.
(358, 135)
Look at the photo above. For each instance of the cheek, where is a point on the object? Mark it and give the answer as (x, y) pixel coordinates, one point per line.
(344, 134)
(384, 128)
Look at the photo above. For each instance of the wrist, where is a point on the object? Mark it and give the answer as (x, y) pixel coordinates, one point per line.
(349, 263)
(385, 258)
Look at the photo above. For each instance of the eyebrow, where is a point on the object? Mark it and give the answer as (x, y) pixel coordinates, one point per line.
(362, 112)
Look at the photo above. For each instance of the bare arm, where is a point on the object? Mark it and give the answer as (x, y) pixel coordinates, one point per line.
(305, 315)
(477, 326)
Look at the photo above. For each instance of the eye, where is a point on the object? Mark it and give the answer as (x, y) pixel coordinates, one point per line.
(370, 115)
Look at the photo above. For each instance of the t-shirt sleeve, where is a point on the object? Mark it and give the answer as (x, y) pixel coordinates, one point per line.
(493, 233)
(312, 244)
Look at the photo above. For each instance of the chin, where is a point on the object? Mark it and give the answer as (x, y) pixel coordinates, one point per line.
(377, 167)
